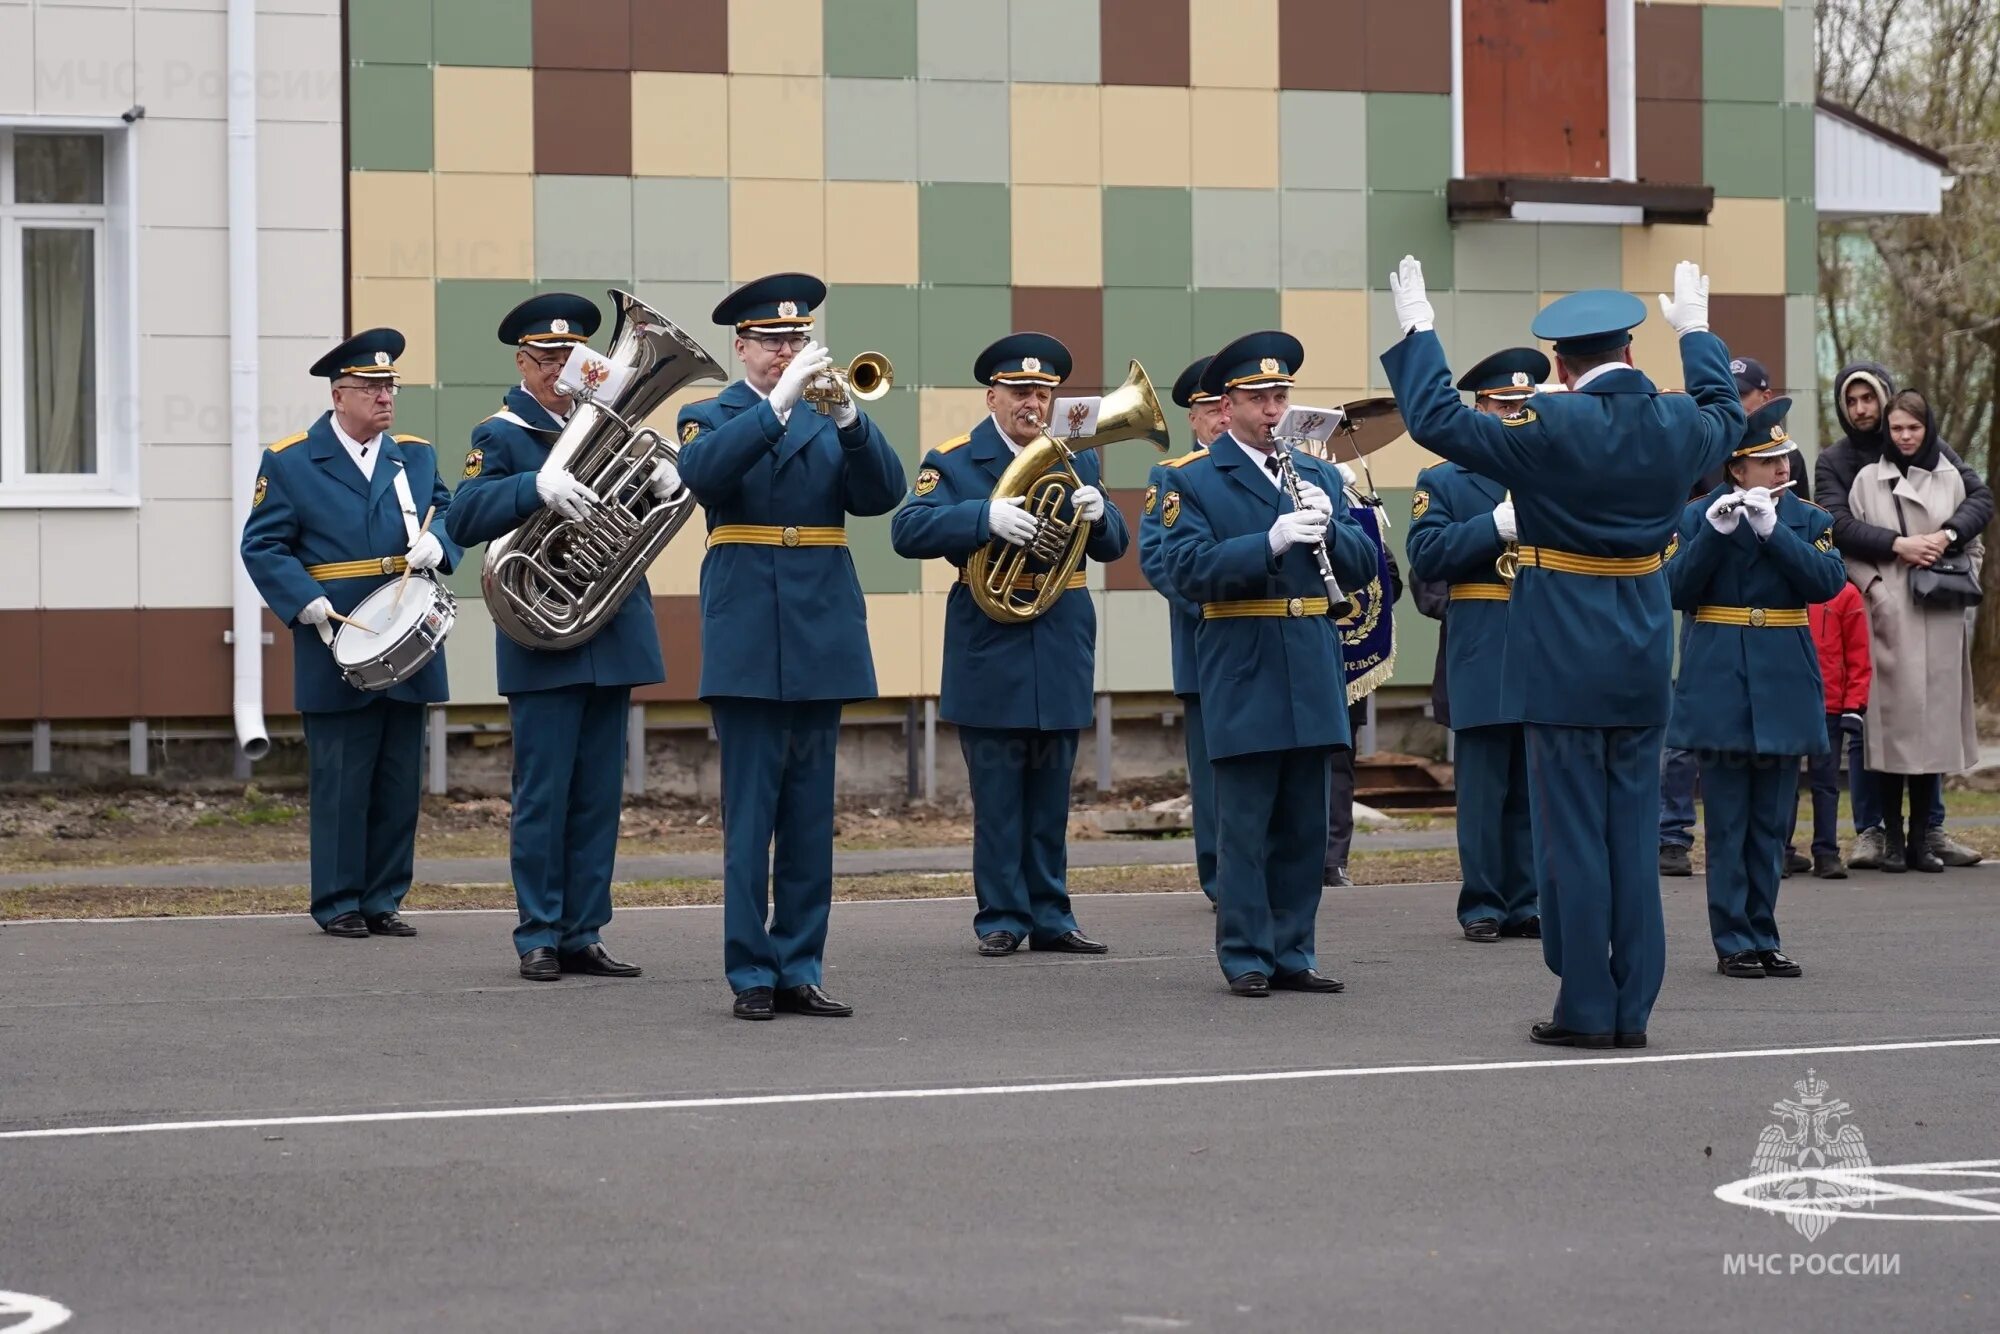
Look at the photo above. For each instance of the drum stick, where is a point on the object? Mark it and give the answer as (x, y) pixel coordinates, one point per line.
(429, 514)
(347, 620)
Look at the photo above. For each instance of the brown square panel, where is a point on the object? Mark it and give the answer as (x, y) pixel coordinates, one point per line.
(584, 34)
(1320, 45)
(686, 36)
(185, 668)
(679, 620)
(583, 122)
(1076, 316)
(278, 669)
(1407, 48)
(1123, 574)
(1667, 46)
(90, 664)
(1753, 326)
(20, 664)
(1144, 41)
(1669, 135)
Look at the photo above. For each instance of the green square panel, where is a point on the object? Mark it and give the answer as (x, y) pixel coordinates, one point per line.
(1743, 149)
(1406, 222)
(957, 323)
(389, 32)
(1574, 256)
(1223, 313)
(1498, 257)
(1155, 327)
(1416, 636)
(1489, 321)
(483, 32)
(583, 224)
(876, 563)
(1801, 246)
(898, 414)
(967, 230)
(871, 39)
(1409, 141)
(389, 117)
(1742, 54)
(468, 311)
(1799, 143)
(1148, 237)
(862, 317)
(416, 414)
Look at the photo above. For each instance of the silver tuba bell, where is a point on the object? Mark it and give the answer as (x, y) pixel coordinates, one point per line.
(554, 582)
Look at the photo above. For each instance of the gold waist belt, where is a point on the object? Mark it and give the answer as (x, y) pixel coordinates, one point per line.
(1032, 583)
(1215, 611)
(764, 535)
(1569, 562)
(1480, 593)
(358, 569)
(1752, 616)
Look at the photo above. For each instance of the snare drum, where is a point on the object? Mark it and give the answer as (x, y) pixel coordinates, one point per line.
(386, 647)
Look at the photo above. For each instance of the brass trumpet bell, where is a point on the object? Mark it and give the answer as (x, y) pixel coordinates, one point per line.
(864, 380)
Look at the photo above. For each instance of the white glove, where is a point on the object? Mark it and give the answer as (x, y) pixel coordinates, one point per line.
(1296, 528)
(1503, 521)
(1725, 523)
(1687, 309)
(562, 492)
(1088, 502)
(846, 414)
(665, 481)
(426, 553)
(1010, 522)
(1761, 510)
(1346, 474)
(1312, 498)
(791, 386)
(315, 613)
(1413, 303)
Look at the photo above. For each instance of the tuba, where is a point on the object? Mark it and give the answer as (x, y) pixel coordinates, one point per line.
(554, 582)
(1001, 583)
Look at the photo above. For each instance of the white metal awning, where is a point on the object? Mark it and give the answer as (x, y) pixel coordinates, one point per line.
(1865, 170)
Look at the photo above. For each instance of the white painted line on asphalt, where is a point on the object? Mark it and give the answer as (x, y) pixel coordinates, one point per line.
(978, 1090)
(42, 1313)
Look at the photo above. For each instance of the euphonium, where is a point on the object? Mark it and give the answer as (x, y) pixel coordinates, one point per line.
(554, 582)
(998, 573)
(1508, 563)
(866, 379)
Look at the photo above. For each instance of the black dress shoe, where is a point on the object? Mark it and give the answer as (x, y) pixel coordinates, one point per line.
(809, 999)
(998, 944)
(594, 959)
(390, 924)
(1826, 866)
(1743, 963)
(1794, 863)
(1551, 1034)
(1629, 1040)
(1921, 858)
(539, 964)
(1306, 980)
(1778, 964)
(1485, 930)
(1528, 930)
(1254, 985)
(1674, 860)
(754, 1003)
(1069, 942)
(348, 926)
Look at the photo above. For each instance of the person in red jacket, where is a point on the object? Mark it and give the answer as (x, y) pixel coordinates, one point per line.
(1840, 633)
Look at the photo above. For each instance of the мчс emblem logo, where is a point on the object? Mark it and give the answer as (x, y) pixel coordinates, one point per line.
(1811, 1135)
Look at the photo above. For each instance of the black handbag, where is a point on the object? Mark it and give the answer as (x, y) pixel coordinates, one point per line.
(1947, 583)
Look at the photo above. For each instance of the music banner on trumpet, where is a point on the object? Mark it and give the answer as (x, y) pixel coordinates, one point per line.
(590, 375)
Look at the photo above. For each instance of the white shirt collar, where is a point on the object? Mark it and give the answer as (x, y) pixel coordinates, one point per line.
(1260, 456)
(560, 417)
(1604, 369)
(364, 455)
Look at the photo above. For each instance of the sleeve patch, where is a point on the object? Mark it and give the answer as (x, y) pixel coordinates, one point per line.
(1152, 500)
(1824, 541)
(1420, 504)
(927, 481)
(1673, 548)
(475, 461)
(1523, 417)
(257, 496)
(1170, 508)
(689, 430)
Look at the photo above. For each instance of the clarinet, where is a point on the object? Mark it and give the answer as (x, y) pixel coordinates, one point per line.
(1288, 472)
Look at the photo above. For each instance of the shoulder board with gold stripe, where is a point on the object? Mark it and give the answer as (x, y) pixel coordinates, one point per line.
(281, 446)
(956, 443)
(1185, 459)
(698, 402)
(409, 440)
(1815, 504)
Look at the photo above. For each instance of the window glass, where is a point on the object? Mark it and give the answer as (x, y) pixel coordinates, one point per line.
(59, 169)
(58, 272)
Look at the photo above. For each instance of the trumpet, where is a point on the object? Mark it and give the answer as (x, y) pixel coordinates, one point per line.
(864, 379)
(1736, 503)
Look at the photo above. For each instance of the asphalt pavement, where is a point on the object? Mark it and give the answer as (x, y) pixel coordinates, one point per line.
(1040, 1142)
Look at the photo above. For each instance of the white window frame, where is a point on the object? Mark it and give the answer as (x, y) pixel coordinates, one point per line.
(1620, 90)
(115, 484)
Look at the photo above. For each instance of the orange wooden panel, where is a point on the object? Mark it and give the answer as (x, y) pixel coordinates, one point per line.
(1536, 98)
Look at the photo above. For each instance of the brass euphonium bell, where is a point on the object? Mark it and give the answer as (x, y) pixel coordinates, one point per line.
(866, 379)
(1002, 585)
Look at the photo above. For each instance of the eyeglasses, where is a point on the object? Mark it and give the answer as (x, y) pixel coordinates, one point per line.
(544, 362)
(780, 342)
(370, 390)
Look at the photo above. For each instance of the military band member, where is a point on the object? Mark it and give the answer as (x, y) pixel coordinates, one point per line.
(1749, 702)
(1590, 683)
(1017, 693)
(1208, 417)
(1267, 661)
(333, 518)
(784, 630)
(1462, 524)
(568, 706)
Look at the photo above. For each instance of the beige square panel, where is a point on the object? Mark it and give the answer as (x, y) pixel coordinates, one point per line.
(677, 572)
(1058, 235)
(485, 226)
(946, 414)
(777, 127)
(389, 224)
(1657, 351)
(680, 124)
(1396, 466)
(484, 118)
(1146, 131)
(1236, 44)
(90, 558)
(776, 37)
(408, 304)
(776, 226)
(1746, 247)
(930, 650)
(1652, 252)
(871, 232)
(1333, 326)
(1056, 133)
(1235, 139)
(896, 637)
(168, 531)
(939, 576)
(21, 542)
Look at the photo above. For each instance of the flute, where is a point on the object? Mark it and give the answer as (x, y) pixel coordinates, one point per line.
(1735, 503)
(1288, 472)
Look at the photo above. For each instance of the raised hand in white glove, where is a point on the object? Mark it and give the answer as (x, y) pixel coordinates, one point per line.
(666, 480)
(426, 553)
(1088, 502)
(563, 493)
(1313, 498)
(1762, 510)
(1413, 302)
(1687, 309)
(811, 360)
(1007, 520)
(315, 613)
(1725, 521)
(1297, 528)
(1503, 521)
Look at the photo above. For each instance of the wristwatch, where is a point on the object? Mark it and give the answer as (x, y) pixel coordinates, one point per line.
(1951, 536)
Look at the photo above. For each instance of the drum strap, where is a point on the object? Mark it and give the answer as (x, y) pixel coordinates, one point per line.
(409, 506)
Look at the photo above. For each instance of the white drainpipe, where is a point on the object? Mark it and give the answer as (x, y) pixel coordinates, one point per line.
(245, 405)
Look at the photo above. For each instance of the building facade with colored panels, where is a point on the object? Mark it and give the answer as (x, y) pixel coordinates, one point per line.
(1142, 178)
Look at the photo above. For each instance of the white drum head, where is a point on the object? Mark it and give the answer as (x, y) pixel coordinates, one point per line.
(379, 623)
